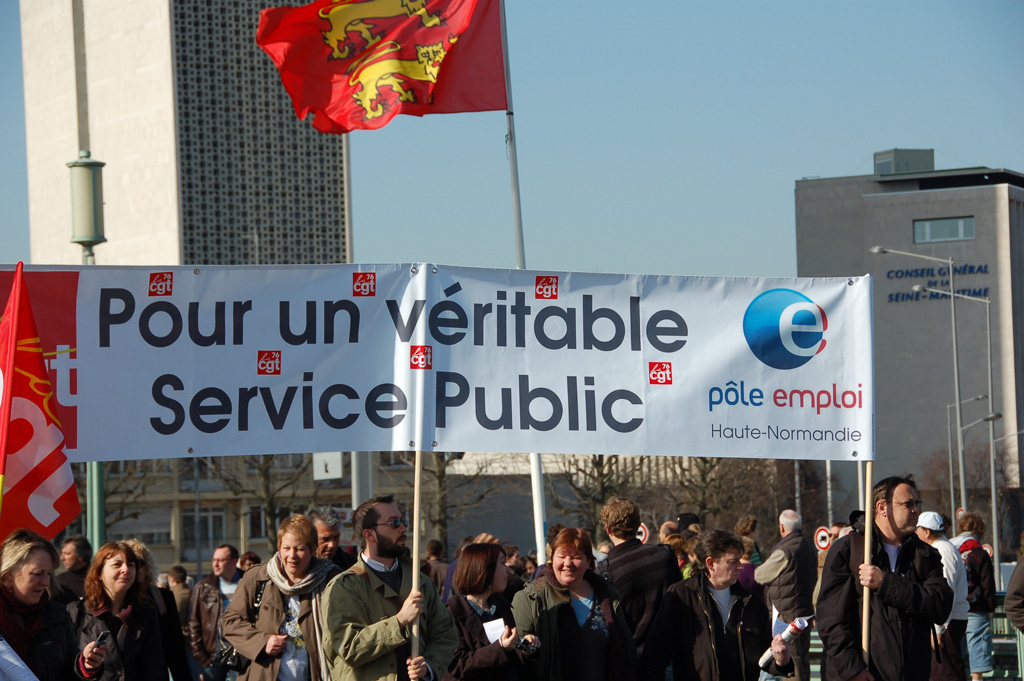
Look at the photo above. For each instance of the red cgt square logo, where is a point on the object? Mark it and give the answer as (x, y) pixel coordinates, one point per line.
(268, 363)
(660, 373)
(421, 357)
(364, 284)
(161, 283)
(546, 288)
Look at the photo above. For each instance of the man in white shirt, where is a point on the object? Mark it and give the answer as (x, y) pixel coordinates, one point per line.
(947, 659)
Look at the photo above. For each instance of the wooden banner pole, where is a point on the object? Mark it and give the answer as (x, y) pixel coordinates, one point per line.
(869, 526)
(416, 548)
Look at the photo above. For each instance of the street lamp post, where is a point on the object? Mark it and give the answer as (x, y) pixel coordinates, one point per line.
(87, 231)
(991, 422)
(956, 362)
(949, 444)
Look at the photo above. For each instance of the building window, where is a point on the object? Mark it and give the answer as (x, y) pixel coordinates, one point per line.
(211, 532)
(944, 229)
(150, 526)
(395, 460)
(257, 522)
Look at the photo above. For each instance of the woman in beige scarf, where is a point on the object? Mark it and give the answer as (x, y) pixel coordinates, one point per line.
(274, 616)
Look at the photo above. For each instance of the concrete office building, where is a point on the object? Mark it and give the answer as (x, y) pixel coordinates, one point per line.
(205, 161)
(205, 164)
(974, 216)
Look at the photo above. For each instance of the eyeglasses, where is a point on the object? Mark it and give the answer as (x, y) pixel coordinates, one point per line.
(395, 523)
(910, 505)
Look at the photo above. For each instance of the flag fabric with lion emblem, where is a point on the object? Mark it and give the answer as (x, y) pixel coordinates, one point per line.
(356, 64)
(38, 486)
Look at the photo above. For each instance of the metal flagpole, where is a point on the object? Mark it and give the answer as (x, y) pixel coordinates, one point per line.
(536, 469)
(860, 480)
(828, 488)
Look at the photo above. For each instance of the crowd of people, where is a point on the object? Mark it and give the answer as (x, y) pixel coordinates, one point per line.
(705, 604)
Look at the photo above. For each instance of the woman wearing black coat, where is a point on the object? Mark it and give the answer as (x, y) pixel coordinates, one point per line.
(175, 654)
(112, 603)
(36, 628)
(488, 642)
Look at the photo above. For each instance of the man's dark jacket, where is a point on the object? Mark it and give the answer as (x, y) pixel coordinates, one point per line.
(792, 591)
(205, 611)
(642, 574)
(903, 609)
(688, 631)
(1015, 597)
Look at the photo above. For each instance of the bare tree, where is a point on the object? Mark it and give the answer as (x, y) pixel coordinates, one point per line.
(124, 483)
(452, 488)
(275, 480)
(719, 490)
(592, 479)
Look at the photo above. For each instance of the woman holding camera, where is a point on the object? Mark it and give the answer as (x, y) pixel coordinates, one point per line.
(489, 645)
(578, 617)
(113, 611)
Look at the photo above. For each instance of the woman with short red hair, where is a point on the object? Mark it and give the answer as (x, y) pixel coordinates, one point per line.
(576, 615)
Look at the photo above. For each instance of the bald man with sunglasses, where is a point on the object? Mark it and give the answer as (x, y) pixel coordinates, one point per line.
(909, 593)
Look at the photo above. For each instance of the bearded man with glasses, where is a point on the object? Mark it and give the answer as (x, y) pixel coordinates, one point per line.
(909, 593)
(370, 608)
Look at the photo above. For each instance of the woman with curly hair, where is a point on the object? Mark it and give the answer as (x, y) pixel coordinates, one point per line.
(38, 629)
(112, 603)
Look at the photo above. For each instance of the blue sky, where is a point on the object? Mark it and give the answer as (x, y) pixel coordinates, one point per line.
(659, 137)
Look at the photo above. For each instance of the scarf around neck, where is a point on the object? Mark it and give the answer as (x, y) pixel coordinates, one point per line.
(314, 581)
(19, 637)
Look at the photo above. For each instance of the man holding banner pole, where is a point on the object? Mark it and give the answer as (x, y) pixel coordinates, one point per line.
(369, 610)
(908, 592)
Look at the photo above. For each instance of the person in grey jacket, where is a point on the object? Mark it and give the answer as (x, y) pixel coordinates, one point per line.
(789, 576)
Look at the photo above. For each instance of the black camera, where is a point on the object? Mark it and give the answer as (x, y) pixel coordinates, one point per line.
(526, 646)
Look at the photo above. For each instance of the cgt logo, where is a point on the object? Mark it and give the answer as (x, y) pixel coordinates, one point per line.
(546, 288)
(421, 357)
(660, 373)
(161, 283)
(364, 284)
(268, 363)
(784, 329)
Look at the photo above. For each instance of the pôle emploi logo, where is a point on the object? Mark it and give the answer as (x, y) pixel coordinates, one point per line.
(784, 328)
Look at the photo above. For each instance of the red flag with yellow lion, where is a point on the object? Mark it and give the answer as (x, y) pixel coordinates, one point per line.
(356, 64)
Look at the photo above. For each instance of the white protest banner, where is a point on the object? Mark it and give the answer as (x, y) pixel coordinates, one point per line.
(206, 361)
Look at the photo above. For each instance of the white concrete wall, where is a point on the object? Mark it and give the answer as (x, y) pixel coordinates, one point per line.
(131, 128)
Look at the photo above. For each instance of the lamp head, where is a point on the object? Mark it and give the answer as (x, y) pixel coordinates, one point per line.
(994, 416)
(878, 249)
(918, 288)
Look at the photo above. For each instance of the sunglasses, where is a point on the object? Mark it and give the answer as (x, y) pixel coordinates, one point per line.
(910, 505)
(395, 523)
